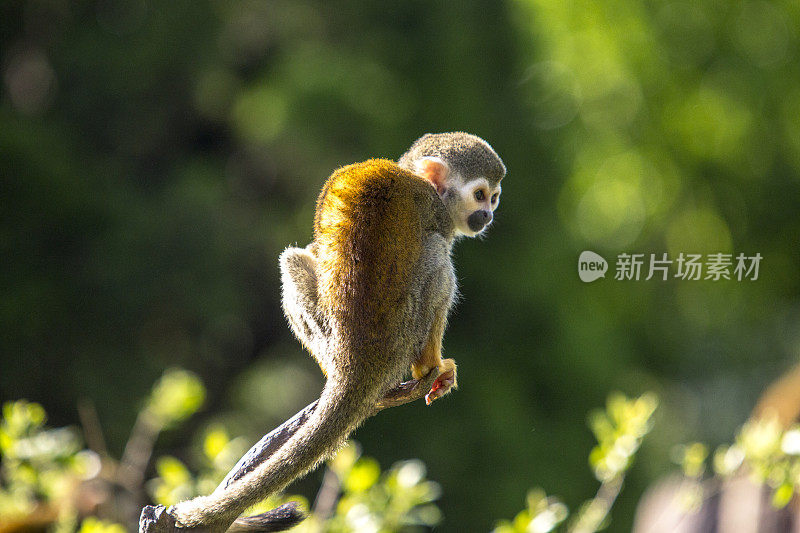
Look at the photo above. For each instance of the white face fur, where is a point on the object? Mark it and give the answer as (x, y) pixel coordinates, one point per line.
(478, 202)
(471, 204)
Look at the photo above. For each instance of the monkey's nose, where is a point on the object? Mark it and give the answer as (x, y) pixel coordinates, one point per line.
(478, 219)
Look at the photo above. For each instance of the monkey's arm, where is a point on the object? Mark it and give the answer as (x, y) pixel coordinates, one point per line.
(430, 361)
(440, 289)
(156, 519)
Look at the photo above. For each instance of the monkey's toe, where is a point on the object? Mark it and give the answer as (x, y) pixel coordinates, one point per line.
(443, 384)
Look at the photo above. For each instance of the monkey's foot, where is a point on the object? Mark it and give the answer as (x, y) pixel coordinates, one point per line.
(444, 383)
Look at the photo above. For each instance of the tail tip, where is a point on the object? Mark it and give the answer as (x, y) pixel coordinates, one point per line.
(280, 518)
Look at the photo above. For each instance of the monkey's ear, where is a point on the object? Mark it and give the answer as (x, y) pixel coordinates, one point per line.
(434, 170)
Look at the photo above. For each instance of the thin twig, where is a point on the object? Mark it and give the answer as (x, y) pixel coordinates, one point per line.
(92, 430)
(138, 450)
(596, 512)
(327, 496)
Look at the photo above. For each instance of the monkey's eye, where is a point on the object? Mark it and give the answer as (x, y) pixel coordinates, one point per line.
(495, 196)
(480, 195)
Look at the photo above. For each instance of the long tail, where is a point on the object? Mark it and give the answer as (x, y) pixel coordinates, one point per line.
(343, 405)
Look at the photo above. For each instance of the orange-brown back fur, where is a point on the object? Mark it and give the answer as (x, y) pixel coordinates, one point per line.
(369, 230)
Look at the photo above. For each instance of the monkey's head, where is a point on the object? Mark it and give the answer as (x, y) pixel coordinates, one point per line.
(466, 173)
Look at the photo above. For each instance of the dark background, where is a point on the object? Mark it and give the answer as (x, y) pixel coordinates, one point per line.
(156, 157)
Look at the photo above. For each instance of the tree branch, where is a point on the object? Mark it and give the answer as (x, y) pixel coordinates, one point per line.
(154, 519)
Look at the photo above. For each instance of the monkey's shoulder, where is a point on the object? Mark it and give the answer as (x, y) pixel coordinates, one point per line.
(380, 189)
(378, 180)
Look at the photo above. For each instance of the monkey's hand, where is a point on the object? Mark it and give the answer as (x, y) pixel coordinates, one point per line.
(444, 383)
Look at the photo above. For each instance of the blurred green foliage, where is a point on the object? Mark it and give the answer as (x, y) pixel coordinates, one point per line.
(156, 157)
(175, 482)
(541, 515)
(619, 430)
(48, 479)
(768, 454)
(41, 470)
(400, 499)
(45, 474)
(93, 525)
(764, 451)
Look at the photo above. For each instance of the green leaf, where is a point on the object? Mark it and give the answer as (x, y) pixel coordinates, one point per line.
(364, 475)
(782, 495)
(215, 442)
(172, 471)
(176, 396)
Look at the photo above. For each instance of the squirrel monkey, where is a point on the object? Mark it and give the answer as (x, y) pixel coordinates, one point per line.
(369, 297)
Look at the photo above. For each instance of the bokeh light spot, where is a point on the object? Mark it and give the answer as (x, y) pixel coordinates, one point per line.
(698, 231)
(30, 81)
(260, 114)
(553, 94)
(762, 34)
